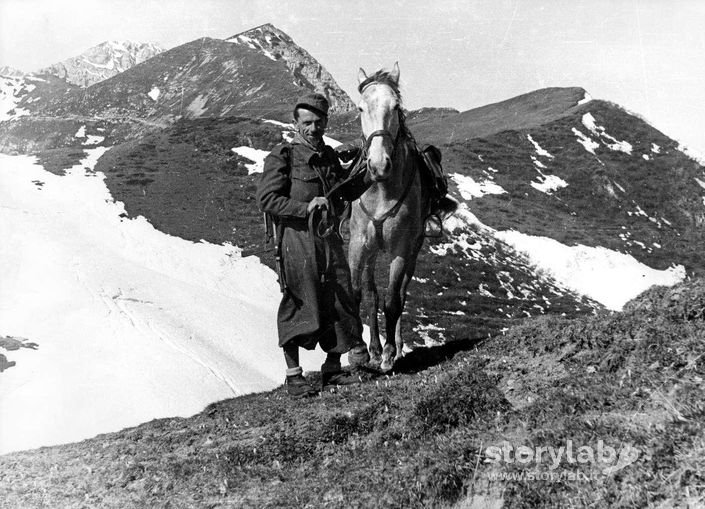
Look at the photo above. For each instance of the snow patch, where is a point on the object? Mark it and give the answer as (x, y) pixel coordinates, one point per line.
(81, 133)
(700, 182)
(606, 276)
(586, 99)
(11, 92)
(92, 139)
(198, 106)
(550, 184)
(276, 122)
(331, 142)
(655, 148)
(132, 324)
(599, 131)
(539, 150)
(154, 94)
(470, 189)
(695, 155)
(538, 163)
(253, 154)
(588, 143)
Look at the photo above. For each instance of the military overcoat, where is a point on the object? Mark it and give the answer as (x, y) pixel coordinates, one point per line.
(318, 306)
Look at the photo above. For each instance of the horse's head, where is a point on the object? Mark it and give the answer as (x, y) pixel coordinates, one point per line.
(379, 112)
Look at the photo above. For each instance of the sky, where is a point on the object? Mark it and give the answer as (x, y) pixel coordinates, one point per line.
(648, 56)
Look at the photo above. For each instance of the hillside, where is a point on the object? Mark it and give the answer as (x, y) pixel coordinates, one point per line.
(596, 176)
(429, 435)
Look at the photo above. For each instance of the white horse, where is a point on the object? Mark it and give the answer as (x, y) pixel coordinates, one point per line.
(390, 215)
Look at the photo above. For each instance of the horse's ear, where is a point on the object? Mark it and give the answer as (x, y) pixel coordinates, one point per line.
(361, 75)
(394, 75)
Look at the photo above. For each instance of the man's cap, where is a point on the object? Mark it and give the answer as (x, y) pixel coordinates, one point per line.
(313, 101)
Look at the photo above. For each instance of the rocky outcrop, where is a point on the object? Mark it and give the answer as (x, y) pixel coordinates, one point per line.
(308, 73)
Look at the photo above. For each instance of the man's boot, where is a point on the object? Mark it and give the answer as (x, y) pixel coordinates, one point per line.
(332, 373)
(358, 356)
(296, 384)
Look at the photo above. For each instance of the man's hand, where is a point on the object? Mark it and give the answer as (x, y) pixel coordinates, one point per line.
(317, 202)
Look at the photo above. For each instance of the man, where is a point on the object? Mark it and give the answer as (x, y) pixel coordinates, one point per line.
(317, 306)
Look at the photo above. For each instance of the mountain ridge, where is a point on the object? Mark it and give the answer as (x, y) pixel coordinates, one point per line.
(102, 61)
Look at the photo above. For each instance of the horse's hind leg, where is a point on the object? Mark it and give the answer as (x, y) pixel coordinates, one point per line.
(359, 260)
(408, 275)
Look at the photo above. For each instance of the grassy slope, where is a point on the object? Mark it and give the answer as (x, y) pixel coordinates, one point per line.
(522, 112)
(417, 439)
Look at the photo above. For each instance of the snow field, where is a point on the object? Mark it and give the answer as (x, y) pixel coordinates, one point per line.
(607, 276)
(132, 324)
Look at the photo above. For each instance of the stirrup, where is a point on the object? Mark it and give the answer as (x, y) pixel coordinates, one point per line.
(433, 226)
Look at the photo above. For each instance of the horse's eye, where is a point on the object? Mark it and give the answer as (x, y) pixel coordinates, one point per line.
(359, 109)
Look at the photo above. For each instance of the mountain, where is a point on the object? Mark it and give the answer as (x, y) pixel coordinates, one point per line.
(307, 72)
(203, 78)
(7, 71)
(102, 61)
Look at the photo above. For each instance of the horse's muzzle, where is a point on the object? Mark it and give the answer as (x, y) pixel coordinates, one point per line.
(378, 174)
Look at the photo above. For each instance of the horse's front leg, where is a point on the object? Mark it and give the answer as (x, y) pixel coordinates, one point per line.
(393, 305)
(373, 305)
(358, 255)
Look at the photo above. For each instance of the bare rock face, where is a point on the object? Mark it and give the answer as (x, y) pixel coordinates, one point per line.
(102, 62)
(308, 73)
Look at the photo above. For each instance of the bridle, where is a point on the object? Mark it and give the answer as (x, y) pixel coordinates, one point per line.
(378, 222)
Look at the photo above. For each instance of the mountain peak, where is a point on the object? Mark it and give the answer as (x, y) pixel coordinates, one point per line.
(11, 72)
(102, 61)
(307, 71)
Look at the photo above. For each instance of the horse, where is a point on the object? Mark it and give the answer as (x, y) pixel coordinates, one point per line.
(390, 215)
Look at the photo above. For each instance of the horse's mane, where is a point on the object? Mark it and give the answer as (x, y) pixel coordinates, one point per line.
(385, 78)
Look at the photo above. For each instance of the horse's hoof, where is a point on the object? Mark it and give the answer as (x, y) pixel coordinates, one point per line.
(388, 356)
(375, 361)
(386, 366)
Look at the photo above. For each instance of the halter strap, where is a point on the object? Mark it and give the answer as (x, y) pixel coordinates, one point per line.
(378, 222)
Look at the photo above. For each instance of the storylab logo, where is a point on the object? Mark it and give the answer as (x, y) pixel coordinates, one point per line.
(606, 458)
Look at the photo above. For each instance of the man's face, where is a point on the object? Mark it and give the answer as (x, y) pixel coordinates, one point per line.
(311, 125)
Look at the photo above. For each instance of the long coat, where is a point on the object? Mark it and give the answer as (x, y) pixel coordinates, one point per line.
(318, 306)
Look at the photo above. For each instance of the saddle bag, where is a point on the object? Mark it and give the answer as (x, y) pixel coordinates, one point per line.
(430, 158)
